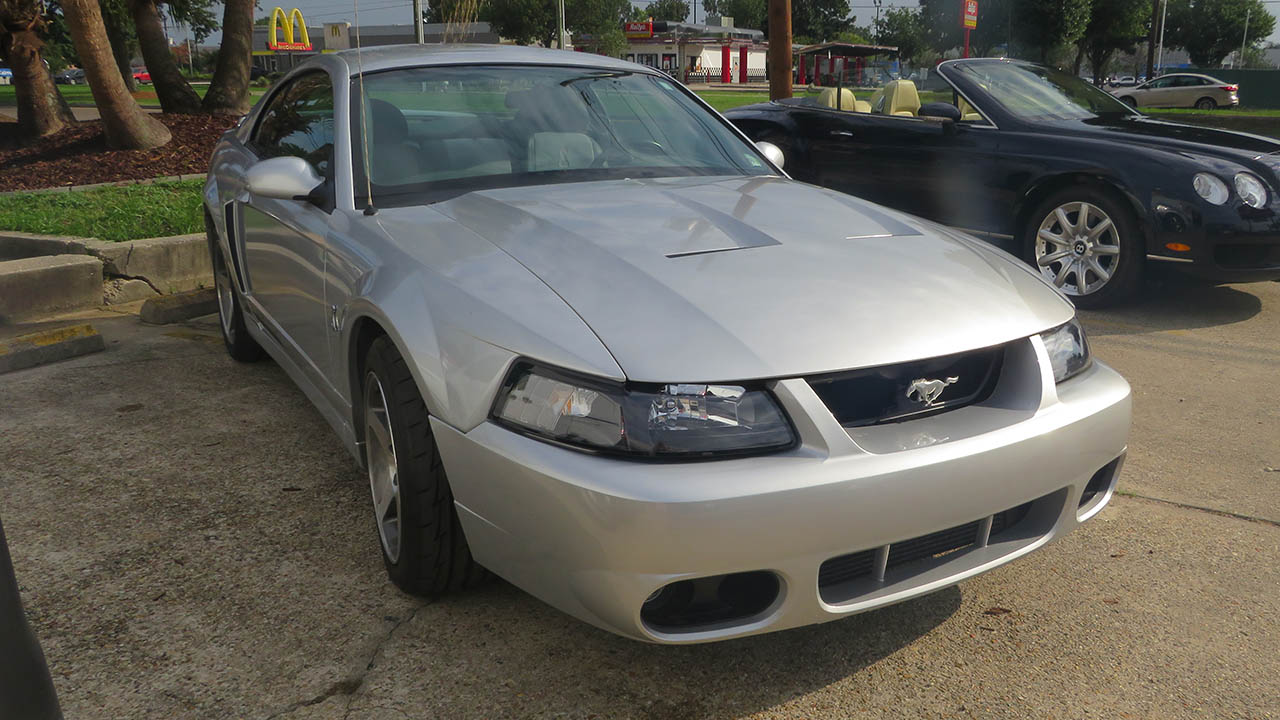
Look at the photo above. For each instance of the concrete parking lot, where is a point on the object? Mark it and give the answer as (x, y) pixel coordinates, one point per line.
(192, 542)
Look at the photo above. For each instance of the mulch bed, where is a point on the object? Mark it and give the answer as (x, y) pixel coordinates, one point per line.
(79, 154)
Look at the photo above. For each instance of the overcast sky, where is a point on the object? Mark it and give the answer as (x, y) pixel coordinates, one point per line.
(394, 12)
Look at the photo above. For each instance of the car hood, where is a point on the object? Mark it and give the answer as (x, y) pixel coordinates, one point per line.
(701, 280)
(1179, 137)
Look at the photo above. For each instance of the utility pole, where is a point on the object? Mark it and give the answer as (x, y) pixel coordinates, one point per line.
(1245, 39)
(560, 22)
(779, 49)
(1151, 39)
(1163, 16)
(418, 30)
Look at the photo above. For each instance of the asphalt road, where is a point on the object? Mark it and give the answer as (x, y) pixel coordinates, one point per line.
(192, 542)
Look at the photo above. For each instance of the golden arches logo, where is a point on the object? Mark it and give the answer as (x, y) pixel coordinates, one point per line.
(295, 31)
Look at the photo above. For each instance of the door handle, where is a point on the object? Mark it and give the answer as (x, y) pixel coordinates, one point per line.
(840, 133)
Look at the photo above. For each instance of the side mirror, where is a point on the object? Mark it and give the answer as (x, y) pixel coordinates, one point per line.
(772, 152)
(285, 178)
(941, 110)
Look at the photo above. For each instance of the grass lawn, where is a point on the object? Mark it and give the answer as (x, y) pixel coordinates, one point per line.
(82, 95)
(130, 212)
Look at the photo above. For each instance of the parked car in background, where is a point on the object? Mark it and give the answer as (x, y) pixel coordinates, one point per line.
(1182, 90)
(6, 76)
(70, 76)
(1123, 81)
(1088, 189)
(140, 75)
(583, 333)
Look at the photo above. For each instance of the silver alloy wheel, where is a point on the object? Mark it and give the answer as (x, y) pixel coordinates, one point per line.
(384, 471)
(1078, 248)
(226, 299)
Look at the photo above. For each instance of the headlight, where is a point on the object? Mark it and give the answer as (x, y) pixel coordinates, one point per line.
(1068, 350)
(646, 421)
(1211, 188)
(1251, 190)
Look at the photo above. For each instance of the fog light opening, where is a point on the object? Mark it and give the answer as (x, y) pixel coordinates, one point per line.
(710, 602)
(1098, 490)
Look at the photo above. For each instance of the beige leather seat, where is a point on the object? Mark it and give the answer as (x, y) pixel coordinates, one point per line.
(842, 99)
(898, 97)
(968, 113)
(557, 122)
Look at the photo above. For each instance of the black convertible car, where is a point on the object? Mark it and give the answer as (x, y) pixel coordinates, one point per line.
(1089, 189)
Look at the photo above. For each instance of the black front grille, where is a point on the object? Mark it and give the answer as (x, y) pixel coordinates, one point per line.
(880, 394)
(1240, 256)
(862, 564)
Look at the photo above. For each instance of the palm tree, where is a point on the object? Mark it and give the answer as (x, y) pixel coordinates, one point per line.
(41, 109)
(124, 123)
(229, 91)
(173, 90)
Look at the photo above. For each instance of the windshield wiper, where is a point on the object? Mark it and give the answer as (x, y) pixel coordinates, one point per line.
(597, 76)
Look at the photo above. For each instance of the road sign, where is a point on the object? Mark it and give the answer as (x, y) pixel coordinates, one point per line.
(638, 30)
(969, 18)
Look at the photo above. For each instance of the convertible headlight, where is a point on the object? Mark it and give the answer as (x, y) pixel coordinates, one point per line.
(650, 421)
(1211, 188)
(1068, 350)
(1251, 190)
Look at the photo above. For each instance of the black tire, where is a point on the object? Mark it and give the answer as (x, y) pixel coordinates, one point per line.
(1129, 100)
(433, 557)
(1127, 270)
(240, 345)
(1206, 103)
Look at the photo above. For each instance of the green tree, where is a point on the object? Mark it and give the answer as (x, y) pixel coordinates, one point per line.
(1209, 30)
(1044, 26)
(172, 89)
(820, 19)
(1114, 26)
(751, 14)
(124, 41)
(676, 10)
(941, 19)
(904, 28)
(524, 21)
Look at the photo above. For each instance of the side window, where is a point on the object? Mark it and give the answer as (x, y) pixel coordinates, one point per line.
(1160, 83)
(299, 122)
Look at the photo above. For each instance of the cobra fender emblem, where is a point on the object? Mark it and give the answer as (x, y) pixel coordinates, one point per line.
(927, 391)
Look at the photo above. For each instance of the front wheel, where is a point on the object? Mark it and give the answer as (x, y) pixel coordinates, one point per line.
(423, 547)
(1129, 100)
(1088, 244)
(1206, 103)
(240, 346)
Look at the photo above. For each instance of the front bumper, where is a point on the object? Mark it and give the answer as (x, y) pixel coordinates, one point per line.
(596, 536)
(1232, 243)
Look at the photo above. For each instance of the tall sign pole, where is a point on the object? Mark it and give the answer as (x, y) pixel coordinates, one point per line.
(779, 49)
(968, 21)
(418, 36)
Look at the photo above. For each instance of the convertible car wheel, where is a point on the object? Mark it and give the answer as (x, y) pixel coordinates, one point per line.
(240, 346)
(1087, 245)
(422, 542)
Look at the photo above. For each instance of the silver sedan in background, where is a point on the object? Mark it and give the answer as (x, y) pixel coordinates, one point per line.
(1182, 90)
(581, 333)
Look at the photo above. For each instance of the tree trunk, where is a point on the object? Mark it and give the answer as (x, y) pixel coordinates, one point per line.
(123, 54)
(229, 91)
(1079, 61)
(125, 124)
(175, 93)
(41, 109)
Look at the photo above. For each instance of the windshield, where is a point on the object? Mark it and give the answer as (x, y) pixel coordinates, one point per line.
(1041, 94)
(447, 130)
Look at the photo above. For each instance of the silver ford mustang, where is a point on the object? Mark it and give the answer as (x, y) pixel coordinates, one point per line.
(583, 334)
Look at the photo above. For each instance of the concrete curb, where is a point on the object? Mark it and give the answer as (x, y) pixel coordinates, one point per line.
(132, 270)
(117, 183)
(48, 346)
(44, 285)
(176, 308)
(168, 264)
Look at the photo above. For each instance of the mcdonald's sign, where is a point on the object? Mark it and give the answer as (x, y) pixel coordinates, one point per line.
(295, 31)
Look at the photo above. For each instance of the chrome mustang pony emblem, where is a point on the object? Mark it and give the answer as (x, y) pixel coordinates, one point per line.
(927, 391)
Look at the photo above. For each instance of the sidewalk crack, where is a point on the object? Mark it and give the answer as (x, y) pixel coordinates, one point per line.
(1201, 508)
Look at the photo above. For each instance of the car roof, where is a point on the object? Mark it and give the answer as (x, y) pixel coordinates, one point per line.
(394, 56)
